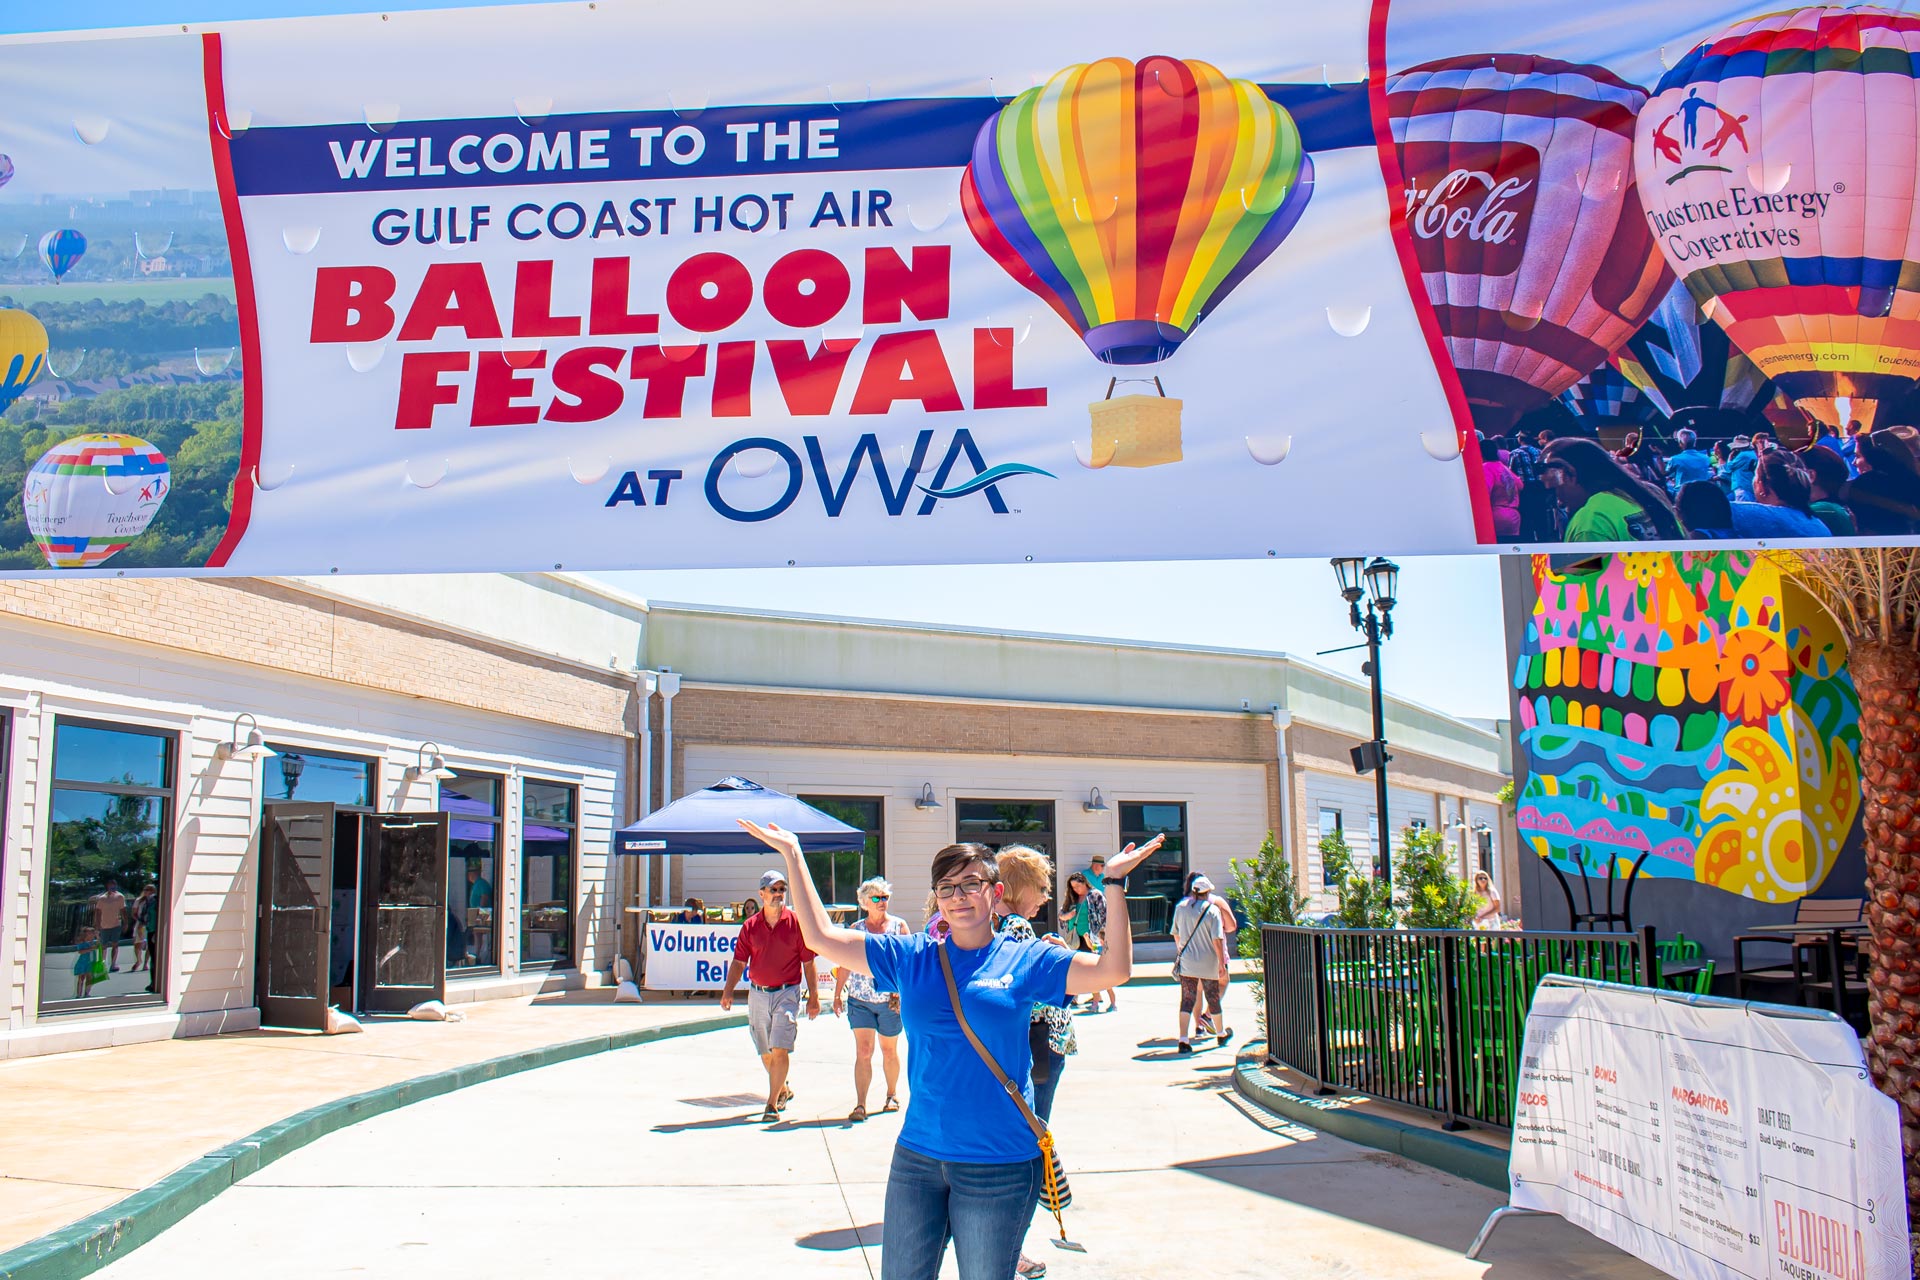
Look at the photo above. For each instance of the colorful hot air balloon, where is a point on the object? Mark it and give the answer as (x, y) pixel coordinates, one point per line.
(23, 353)
(1607, 397)
(1520, 200)
(1778, 165)
(61, 249)
(1132, 197)
(6, 170)
(88, 497)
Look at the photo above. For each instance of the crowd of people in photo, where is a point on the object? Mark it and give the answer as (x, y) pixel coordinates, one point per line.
(988, 1003)
(1552, 480)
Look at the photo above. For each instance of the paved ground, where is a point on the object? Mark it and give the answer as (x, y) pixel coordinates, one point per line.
(652, 1161)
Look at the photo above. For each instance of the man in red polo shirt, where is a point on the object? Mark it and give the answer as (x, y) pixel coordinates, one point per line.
(770, 942)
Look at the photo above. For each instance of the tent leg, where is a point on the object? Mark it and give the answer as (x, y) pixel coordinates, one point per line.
(1493, 1220)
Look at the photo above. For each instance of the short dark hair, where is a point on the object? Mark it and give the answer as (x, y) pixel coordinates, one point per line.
(1703, 505)
(1785, 479)
(1829, 468)
(956, 858)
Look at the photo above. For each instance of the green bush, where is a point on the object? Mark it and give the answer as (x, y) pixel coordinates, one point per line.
(1362, 902)
(1428, 894)
(1267, 892)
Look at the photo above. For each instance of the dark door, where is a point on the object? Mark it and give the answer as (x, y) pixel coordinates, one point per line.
(403, 912)
(295, 915)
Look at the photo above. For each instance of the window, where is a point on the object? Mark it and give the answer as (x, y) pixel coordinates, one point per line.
(1161, 881)
(299, 774)
(837, 875)
(999, 823)
(1483, 840)
(108, 857)
(549, 821)
(471, 802)
(1373, 842)
(1330, 825)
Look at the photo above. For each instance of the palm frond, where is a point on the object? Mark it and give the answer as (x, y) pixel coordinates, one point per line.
(1872, 593)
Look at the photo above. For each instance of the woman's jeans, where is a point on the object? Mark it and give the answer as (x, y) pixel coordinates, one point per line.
(1047, 1066)
(984, 1209)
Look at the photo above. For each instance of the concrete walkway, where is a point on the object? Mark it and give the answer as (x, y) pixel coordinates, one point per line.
(652, 1161)
(81, 1131)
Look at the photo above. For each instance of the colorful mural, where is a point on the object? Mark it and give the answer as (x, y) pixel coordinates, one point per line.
(1689, 712)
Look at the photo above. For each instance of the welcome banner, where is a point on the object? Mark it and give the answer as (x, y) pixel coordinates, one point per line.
(605, 285)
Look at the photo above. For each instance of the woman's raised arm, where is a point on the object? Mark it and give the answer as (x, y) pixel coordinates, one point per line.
(842, 948)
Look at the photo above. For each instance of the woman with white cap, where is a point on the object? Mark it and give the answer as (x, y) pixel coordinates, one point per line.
(1200, 958)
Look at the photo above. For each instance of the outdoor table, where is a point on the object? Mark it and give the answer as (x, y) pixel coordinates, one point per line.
(1680, 969)
(1832, 935)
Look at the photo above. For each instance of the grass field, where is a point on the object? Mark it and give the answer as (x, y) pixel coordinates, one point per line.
(118, 291)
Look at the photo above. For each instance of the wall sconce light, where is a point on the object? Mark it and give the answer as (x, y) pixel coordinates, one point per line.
(432, 766)
(927, 799)
(1096, 803)
(253, 748)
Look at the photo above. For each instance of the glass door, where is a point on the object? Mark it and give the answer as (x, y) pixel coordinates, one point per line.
(999, 823)
(403, 920)
(293, 942)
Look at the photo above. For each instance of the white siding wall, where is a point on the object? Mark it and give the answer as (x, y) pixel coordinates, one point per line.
(217, 802)
(1352, 795)
(1226, 806)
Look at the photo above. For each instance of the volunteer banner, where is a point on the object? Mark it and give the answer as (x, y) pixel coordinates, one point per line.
(612, 285)
(688, 957)
(1709, 1139)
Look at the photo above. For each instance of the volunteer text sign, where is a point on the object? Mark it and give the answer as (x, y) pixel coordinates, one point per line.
(689, 957)
(1711, 1140)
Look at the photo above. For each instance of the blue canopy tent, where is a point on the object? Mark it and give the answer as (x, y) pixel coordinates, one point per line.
(709, 822)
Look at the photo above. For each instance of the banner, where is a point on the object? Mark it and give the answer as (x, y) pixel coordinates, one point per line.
(1711, 1139)
(688, 957)
(608, 286)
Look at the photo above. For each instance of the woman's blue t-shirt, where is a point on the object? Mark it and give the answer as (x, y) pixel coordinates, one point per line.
(957, 1111)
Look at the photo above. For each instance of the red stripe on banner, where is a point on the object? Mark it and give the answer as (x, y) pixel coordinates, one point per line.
(1410, 268)
(252, 397)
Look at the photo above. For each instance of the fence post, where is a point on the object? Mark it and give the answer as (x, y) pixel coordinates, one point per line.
(1648, 957)
(1317, 955)
(1450, 1072)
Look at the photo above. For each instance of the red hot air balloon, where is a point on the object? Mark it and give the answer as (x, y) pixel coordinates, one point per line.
(1529, 232)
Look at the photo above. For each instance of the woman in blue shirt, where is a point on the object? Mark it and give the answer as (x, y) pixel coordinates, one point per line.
(967, 1167)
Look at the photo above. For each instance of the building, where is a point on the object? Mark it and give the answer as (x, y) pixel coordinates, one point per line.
(258, 750)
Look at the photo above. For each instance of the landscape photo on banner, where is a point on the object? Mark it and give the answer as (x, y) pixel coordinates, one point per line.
(601, 287)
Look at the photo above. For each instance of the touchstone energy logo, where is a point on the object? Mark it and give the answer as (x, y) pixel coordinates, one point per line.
(1698, 135)
(1463, 197)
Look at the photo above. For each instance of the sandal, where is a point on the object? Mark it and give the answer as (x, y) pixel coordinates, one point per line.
(891, 1104)
(859, 1113)
(1031, 1268)
(786, 1096)
(770, 1116)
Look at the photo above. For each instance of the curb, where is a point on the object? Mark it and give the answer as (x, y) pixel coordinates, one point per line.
(1460, 1157)
(83, 1247)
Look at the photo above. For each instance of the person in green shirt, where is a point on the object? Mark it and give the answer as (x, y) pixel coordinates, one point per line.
(1605, 502)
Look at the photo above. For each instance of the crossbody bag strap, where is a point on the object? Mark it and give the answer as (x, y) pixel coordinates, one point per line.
(1013, 1090)
(1190, 937)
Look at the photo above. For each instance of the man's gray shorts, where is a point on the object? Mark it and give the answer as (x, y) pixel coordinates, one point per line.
(773, 1017)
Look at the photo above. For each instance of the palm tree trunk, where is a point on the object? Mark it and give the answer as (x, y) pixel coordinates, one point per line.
(1887, 679)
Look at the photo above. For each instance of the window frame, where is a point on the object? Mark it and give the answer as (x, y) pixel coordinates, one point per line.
(877, 833)
(285, 747)
(1141, 834)
(1339, 828)
(169, 797)
(572, 959)
(499, 821)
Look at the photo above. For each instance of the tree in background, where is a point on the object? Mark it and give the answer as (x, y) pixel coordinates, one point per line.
(1362, 902)
(1873, 594)
(1431, 895)
(1266, 891)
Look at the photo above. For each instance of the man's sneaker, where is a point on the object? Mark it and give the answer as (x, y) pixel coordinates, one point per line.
(1185, 1047)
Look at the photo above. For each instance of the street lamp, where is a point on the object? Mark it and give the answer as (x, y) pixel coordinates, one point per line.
(1381, 577)
(292, 765)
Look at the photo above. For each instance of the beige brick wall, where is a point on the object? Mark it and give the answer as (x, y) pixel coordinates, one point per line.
(276, 626)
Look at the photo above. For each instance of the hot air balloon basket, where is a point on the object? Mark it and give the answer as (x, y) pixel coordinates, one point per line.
(1135, 431)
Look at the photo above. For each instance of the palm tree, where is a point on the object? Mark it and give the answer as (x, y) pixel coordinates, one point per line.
(1873, 593)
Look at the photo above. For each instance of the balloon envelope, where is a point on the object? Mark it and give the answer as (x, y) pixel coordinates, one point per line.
(23, 353)
(6, 170)
(1521, 204)
(1132, 197)
(1779, 166)
(61, 249)
(88, 497)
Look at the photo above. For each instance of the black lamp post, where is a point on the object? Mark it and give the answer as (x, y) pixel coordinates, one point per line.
(1375, 622)
(291, 767)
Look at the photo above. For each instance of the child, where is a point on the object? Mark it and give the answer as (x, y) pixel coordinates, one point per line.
(84, 961)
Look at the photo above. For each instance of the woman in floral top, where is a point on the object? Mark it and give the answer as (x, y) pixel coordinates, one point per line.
(872, 1013)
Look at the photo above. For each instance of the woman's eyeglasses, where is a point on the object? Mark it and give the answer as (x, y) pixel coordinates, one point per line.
(971, 886)
(877, 897)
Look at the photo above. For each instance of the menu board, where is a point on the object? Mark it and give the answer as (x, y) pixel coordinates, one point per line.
(1710, 1139)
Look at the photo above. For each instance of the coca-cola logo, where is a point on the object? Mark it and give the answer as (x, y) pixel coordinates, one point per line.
(1469, 204)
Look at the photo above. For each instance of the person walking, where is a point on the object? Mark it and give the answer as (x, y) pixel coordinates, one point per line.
(1200, 961)
(967, 1167)
(108, 911)
(1487, 914)
(873, 1014)
(772, 942)
(1096, 876)
(1203, 1021)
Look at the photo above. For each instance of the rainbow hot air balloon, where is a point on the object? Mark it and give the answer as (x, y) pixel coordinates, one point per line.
(1521, 205)
(61, 249)
(88, 497)
(1779, 168)
(1133, 197)
(23, 353)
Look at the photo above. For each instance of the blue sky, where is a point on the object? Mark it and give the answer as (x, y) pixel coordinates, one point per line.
(1448, 651)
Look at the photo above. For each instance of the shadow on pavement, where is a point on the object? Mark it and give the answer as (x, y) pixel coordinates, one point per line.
(726, 1100)
(842, 1238)
(719, 1122)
